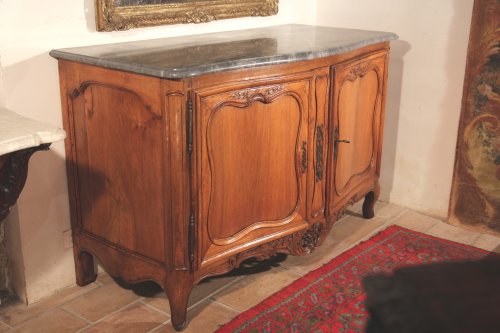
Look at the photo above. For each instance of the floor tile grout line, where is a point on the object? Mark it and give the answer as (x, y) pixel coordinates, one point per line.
(229, 307)
(99, 283)
(51, 309)
(76, 315)
(391, 220)
(8, 326)
(432, 228)
(158, 326)
(426, 231)
(29, 320)
(143, 302)
(209, 296)
(475, 239)
(360, 240)
(73, 299)
(209, 299)
(110, 314)
(296, 271)
(286, 269)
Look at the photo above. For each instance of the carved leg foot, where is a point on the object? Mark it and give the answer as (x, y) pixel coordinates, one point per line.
(178, 309)
(369, 203)
(84, 267)
(178, 292)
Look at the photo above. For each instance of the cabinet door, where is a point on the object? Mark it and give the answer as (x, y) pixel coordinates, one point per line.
(253, 154)
(357, 100)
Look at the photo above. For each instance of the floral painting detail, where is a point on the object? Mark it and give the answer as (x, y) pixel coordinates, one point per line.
(475, 196)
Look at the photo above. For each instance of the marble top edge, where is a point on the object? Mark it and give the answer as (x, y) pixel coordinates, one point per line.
(221, 51)
(18, 132)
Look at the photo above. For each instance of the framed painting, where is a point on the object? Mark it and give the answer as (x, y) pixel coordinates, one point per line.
(126, 14)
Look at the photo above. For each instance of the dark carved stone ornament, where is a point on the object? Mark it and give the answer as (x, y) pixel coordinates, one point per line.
(247, 94)
(13, 172)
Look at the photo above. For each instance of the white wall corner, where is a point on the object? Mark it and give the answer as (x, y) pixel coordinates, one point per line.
(3, 92)
(15, 254)
(426, 71)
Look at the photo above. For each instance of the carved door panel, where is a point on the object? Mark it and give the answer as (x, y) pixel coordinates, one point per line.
(117, 127)
(253, 153)
(357, 100)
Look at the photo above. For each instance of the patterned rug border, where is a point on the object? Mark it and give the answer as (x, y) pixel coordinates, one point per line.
(316, 274)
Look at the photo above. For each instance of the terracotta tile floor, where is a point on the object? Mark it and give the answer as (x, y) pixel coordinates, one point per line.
(109, 306)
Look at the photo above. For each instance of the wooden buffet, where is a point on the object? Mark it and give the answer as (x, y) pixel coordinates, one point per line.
(180, 173)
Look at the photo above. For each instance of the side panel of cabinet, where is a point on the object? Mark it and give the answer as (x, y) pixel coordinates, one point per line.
(253, 154)
(356, 129)
(116, 132)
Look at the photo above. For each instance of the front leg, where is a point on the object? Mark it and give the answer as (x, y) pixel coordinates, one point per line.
(84, 267)
(178, 286)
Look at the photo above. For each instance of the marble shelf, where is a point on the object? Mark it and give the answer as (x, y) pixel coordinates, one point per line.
(18, 132)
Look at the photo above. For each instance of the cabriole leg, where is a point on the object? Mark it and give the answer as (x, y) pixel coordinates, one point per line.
(178, 288)
(369, 203)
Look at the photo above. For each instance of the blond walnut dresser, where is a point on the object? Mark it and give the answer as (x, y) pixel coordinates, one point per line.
(188, 155)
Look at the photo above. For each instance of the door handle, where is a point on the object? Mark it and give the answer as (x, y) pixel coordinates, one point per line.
(342, 141)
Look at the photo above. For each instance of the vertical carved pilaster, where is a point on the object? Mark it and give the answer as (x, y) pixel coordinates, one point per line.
(318, 175)
(304, 156)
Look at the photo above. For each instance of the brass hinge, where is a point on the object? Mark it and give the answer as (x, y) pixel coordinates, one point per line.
(189, 126)
(191, 239)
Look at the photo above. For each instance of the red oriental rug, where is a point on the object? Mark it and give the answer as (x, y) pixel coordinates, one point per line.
(331, 299)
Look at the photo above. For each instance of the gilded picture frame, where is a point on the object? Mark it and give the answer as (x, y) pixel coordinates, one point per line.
(114, 15)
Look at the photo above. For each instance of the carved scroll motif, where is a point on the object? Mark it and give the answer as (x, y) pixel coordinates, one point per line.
(312, 236)
(359, 71)
(247, 94)
(300, 243)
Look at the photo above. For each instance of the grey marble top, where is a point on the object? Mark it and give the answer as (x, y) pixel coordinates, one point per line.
(187, 56)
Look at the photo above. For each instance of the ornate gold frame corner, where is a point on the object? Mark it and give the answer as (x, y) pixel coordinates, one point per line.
(110, 17)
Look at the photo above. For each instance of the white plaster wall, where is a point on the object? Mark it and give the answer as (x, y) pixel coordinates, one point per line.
(29, 29)
(2, 86)
(425, 90)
